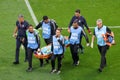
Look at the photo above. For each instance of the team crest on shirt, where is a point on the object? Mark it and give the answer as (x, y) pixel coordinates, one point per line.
(22, 26)
(79, 21)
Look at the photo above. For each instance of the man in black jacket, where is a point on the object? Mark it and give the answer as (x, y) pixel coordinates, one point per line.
(20, 35)
(81, 22)
(49, 27)
(33, 40)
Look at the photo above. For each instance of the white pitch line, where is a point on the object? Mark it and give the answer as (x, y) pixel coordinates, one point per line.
(94, 27)
(110, 27)
(36, 21)
(31, 12)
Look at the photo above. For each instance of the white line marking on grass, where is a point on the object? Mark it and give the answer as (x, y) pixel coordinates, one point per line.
(36, 21)
(110, 27)
(94, 27)
(31, 12)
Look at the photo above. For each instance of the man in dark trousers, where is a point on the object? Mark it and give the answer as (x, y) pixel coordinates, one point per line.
(49, 27)
(99, 31)
(75, 33)
(81, 22)
(33, 45)
(20, 35)
(58, 51)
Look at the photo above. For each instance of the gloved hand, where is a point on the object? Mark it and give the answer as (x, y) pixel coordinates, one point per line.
(14, 35)
(88, 44)
(38, 49)
(89, 31)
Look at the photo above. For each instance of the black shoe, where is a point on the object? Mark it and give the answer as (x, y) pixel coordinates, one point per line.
(100, 69)
(58, 72)
(29, 69)
(53, 71)
(16, 62)
(77, 63)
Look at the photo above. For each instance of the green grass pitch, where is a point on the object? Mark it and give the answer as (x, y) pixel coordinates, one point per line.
(61, 11)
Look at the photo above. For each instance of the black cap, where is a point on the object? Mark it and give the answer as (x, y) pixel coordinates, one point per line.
(45, 17)
(77, 11)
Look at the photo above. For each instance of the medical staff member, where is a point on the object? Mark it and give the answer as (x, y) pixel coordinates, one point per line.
(100, 30)
(33, 45)
(58, 51)
(75, 33)
(82, 23)
(49, 27)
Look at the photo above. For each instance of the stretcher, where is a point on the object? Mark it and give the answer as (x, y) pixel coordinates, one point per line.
(44, 53)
